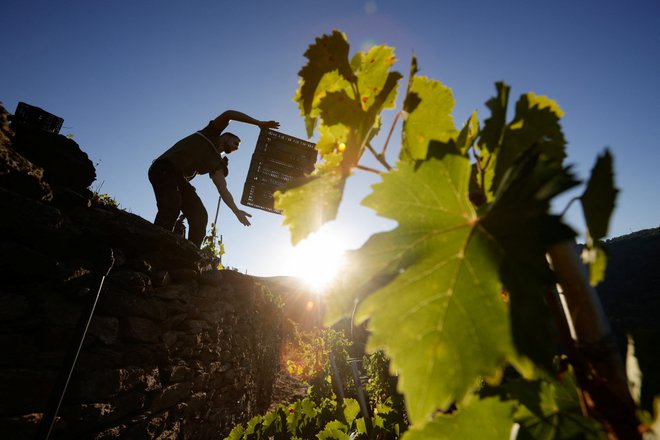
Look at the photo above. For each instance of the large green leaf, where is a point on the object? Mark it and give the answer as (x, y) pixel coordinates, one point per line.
(429, 118)
(484, 419)
(451, 324)
(329, 53)
(308, 206)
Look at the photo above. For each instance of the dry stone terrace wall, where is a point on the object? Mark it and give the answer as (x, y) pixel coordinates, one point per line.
(176, 349)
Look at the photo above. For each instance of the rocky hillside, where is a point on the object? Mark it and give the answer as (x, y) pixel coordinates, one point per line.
(630, 296)
(175, 348)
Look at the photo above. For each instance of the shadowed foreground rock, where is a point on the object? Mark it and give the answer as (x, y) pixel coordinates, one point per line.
(176, 349)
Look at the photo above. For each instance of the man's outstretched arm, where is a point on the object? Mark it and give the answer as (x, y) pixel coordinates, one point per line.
(232, 115)
(220, 183)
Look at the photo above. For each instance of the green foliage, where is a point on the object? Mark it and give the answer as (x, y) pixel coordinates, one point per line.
(428, 115)
(312, 363)
(306, 419)
(440, 247)
(456, 292)
(321, 419)
(347, 97)
(105, 200)
(211, 243)
(598, 204)
(480, 420)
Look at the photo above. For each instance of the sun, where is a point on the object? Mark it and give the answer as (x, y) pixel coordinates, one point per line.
(318, 259)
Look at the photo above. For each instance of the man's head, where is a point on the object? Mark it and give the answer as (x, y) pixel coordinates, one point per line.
(229, 142)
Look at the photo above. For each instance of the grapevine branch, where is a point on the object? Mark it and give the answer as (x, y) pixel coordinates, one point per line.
(363, 168)
(379, 157)
(568, 205)
(389, 135)
(598, 364)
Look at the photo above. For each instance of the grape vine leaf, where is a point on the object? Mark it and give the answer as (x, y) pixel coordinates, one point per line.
(327, 54)
(493, 132)
(351, 410)
(430, 119)
(457, 143)
(535, 126)
(334, 430)
(372, 69)
(468, 134)
(484, 419)
(598, 201)
(348, 99)
(519, 218)
(308, 206)
(439, 273)
(445, 302)
(548, 409)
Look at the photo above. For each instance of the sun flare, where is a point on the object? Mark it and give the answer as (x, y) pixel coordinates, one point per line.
(318, 259)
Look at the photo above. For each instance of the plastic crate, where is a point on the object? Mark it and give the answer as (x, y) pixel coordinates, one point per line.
(32, 116)
(272, 172)
(278, 158)
(259, 195)
(287, 149)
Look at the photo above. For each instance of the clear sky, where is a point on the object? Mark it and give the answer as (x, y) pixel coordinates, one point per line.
(130, 78)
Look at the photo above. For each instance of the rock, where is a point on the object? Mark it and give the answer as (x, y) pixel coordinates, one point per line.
(57, 155)
(139, 330)
(170, 395)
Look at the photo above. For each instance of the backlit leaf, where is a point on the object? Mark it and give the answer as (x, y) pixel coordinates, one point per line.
(599, 197)
(340, 108)
(334, 430)
(484, 419)
(331, 138)
(308, 206)
(536, 127)
(372, 72)
(550, 409)
(493, 131)
(452, 326)
(428, 119)
(468, 134)
(519, 218)
(598, 201)
(596, 258)
(328, 53)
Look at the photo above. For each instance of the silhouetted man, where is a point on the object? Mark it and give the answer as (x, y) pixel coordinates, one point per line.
(199, 153)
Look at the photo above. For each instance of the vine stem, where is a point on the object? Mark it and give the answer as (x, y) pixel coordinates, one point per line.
(598, 364)
(380, 158)
(363, 168)
(568, 205)
(389, 135)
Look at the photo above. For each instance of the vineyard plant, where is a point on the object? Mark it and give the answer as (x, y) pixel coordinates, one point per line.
(461, 295)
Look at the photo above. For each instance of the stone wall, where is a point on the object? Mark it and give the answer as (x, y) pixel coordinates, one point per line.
(176, 348)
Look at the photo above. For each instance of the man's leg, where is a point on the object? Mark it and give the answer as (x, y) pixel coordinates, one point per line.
(194, 210)
(168, 197)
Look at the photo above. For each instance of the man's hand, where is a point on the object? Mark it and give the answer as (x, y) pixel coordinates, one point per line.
(242, 217)
(269, 124)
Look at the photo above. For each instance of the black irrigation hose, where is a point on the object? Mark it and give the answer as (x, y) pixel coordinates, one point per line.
(64, 376)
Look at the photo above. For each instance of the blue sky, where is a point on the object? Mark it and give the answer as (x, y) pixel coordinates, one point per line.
(130, 78)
